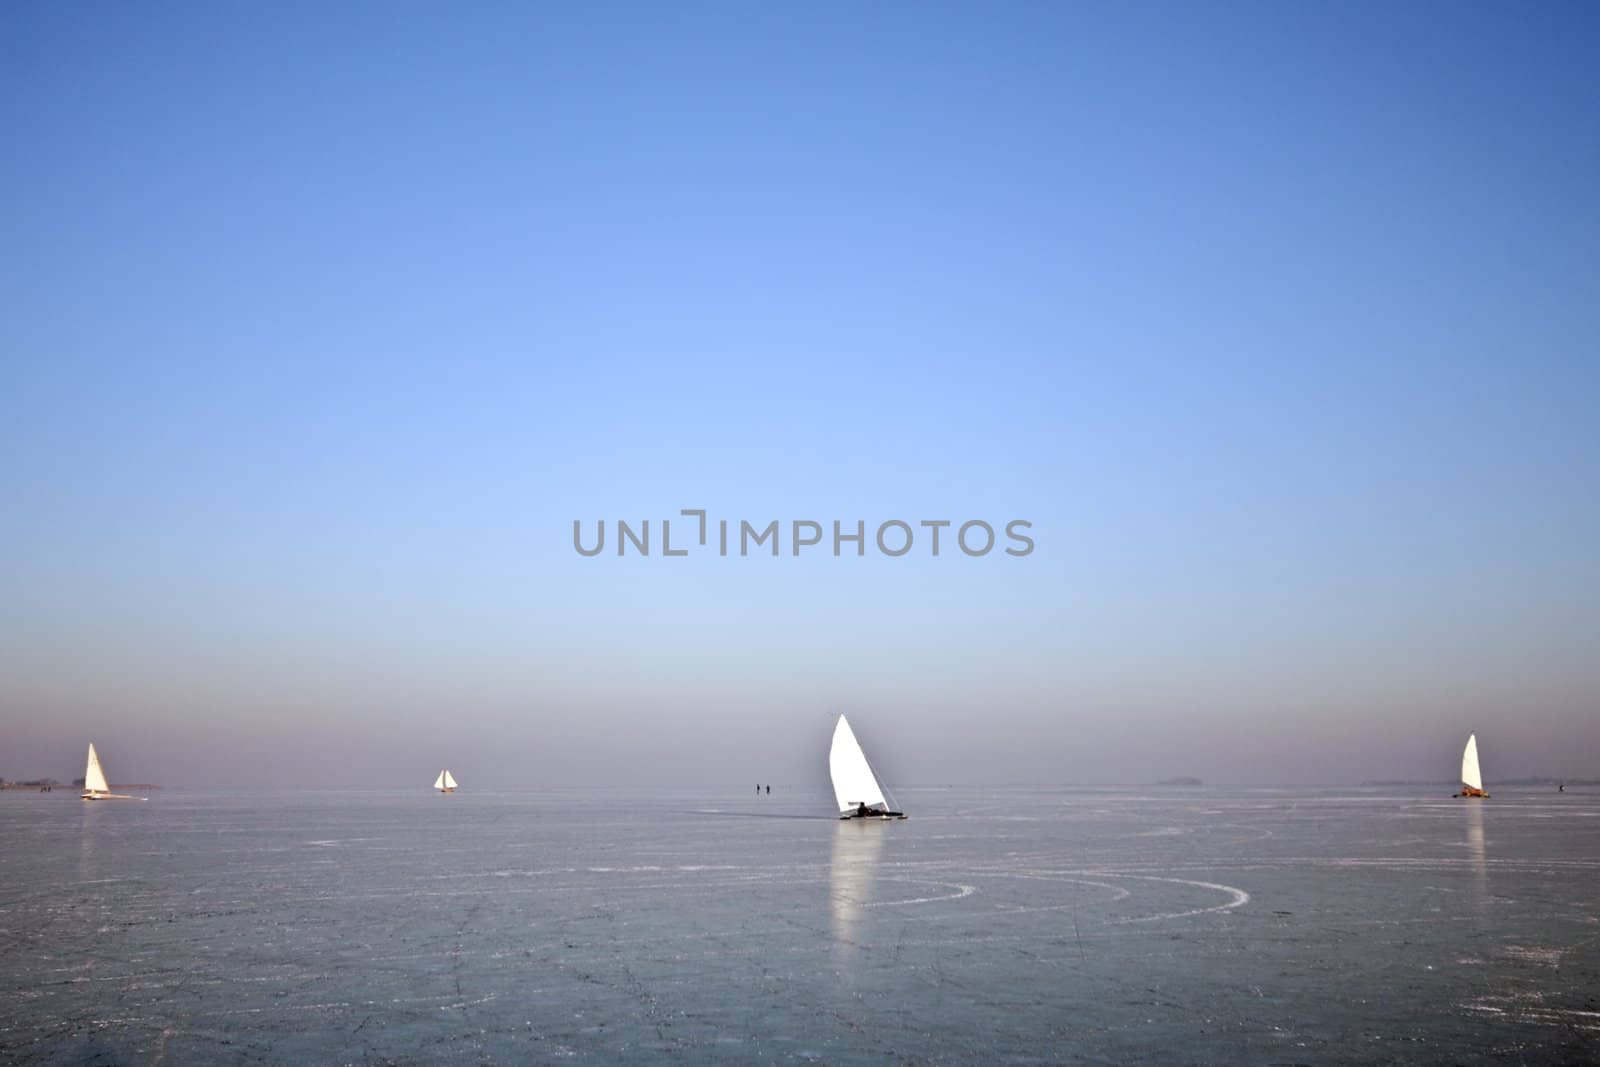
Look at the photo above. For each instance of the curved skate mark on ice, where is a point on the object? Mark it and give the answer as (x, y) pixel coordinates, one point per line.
(1117, 893)
(1257, 833)
(960, 891)
(1535, 866)
(468, 1003)
(1240, 898)
(1518, 1009)
(1548, 957)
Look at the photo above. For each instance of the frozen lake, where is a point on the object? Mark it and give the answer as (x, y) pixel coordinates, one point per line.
(1197, 925)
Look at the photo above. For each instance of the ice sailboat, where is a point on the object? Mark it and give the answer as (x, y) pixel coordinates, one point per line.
(95, 786)
(1471, 777)
(855, 787)
(445, 783)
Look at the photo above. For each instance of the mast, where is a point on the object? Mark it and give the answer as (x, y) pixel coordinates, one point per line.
(1470, 774)
(94, 778)
(95, 786)
(854, 784)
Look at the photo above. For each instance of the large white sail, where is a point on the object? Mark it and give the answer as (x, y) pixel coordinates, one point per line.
(853, 781)
(94, 779)
(1469, 764)
(438, 783)
(449, 780)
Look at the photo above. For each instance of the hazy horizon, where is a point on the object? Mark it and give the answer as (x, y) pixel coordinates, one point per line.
(320, 328)
(656, 764)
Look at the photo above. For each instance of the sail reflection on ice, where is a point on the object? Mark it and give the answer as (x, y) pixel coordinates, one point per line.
(851, 881)
(1475, 849)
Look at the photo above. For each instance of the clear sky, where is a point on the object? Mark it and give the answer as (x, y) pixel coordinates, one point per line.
(320, 324)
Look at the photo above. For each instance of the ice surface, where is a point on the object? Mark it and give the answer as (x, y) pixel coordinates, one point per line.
(1005, 926)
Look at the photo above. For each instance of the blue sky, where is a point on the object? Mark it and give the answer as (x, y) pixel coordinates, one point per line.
(319, 326)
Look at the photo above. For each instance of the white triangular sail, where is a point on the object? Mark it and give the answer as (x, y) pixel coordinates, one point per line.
(854, 783)
(438, 783)
(449, 781)
(94, 779)
(1470, 774)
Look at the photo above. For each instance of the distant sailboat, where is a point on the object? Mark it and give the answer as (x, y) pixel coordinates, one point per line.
(1471, 777)
(95, 786)
(855, 787)
(445, 783)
